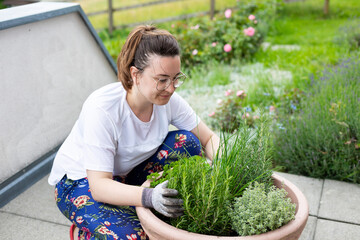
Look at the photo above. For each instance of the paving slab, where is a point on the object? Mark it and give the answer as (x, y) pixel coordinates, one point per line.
(18, 227)
(340, 201)
(331, 230)
(37, 202)
(309, 230)
(310, 187)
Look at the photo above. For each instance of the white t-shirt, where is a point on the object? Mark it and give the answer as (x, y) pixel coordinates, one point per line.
(109, 137)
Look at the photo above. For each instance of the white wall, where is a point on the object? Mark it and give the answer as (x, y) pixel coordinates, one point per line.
(47, 69)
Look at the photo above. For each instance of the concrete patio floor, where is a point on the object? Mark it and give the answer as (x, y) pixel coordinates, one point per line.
(334, 209)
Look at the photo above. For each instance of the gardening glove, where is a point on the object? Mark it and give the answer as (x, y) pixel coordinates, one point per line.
(159, 199)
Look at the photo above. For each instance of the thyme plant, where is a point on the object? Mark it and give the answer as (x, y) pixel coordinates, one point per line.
(260, 210)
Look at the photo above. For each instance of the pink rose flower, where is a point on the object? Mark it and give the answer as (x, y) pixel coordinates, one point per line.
(227, 48)
(255, 22)
(251, 17)
(194, 52)
(219, 101)
(246, 115)
(228, 13)
(211, 114)
(172, 25)
(250, 31)
(271, 108)
(228, 92)
(213, 44)
(239, 93)
(195, 27)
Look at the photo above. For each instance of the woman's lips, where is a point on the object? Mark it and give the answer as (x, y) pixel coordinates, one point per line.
(165, 96)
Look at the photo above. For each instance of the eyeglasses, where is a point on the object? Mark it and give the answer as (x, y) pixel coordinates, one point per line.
(164, 83)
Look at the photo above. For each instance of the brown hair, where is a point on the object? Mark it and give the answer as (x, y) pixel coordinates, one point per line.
(142, 42)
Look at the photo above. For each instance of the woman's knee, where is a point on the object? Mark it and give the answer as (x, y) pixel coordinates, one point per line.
(187, 141)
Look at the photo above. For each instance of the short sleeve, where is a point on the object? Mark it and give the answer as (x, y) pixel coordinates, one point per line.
(98, 138)
(181, 114)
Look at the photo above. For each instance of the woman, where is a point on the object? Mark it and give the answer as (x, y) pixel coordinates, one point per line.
(122, 135)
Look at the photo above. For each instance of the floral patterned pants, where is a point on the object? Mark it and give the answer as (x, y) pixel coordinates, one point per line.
(97, 220)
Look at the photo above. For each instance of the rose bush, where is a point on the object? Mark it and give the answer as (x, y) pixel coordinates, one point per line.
(232, 111)
(233, 34)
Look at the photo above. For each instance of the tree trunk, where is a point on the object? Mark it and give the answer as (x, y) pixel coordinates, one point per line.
(326, 7)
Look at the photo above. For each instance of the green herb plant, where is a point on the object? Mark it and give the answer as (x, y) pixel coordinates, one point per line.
(260, 210)
(208, 189)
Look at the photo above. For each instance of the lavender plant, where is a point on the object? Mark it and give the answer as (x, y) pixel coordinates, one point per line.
(322, 139)
(350, 35)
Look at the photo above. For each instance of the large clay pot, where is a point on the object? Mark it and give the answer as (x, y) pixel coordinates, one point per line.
(157, 229)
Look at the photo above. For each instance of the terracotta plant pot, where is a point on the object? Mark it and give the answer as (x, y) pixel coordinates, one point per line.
(157, 229)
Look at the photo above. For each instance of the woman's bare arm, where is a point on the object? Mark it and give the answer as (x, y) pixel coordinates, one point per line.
(209, 140)
(104, 189)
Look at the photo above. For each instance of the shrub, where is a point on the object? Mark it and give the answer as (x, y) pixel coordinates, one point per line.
(232, 112)
(322, 140)
(237, 34)
(260, 210)
(207, 190)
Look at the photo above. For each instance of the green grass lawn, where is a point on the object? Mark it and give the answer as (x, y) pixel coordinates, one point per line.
(147, 13)
(320, 38)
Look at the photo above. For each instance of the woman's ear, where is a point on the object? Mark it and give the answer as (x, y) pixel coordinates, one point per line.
(134, 74)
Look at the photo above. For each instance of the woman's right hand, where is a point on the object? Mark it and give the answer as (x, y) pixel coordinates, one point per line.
(160, 199)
